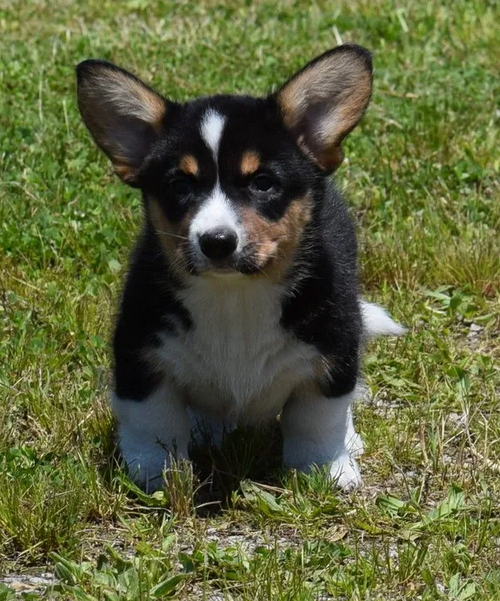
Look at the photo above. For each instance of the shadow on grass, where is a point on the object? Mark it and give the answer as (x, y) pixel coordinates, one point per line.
(245, 454)
(205, 485)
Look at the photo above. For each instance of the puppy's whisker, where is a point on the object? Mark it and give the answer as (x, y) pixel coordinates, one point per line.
(170, 234)
(254, 265)
(177, 265)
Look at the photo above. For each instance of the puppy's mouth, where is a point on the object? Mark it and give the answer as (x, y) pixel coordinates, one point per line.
(225, 270)
(221, 272)
(245, 262)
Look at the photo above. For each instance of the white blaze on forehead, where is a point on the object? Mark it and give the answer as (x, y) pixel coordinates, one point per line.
(216, 212)
(211, 130)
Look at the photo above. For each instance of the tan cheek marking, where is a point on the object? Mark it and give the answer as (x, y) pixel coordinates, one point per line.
(250, 162)
(276, 242)
(189, 165)
(173, 237)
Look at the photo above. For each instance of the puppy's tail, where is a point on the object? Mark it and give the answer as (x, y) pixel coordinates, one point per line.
(377, 322)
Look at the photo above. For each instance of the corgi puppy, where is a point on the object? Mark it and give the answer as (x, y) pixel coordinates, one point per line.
(242, 301)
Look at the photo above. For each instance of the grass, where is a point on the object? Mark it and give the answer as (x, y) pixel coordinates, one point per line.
(422, 178)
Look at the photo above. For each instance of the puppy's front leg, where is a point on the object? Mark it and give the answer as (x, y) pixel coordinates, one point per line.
(150, 431)
(315, 431)
(353, 440)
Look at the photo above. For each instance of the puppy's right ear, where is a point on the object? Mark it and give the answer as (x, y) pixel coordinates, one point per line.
(122, 113)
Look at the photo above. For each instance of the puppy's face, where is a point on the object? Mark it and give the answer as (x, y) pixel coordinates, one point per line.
(228, 181)
(227, 189)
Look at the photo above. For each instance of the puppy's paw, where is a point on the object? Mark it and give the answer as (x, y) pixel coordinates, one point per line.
(147, 473)
(147, 465)
(344, 470)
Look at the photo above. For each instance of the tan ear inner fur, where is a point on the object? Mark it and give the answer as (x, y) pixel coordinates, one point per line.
(340, 79)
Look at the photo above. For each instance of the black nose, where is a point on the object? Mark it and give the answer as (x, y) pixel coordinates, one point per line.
(218, 244)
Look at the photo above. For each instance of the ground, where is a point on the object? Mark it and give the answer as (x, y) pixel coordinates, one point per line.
(422, 178)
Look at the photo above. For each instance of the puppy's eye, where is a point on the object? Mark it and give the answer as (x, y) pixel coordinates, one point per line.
(181, 185)
(263, 182)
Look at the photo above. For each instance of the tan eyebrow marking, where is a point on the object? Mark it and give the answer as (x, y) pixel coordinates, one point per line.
(189, 165)
(250, 162)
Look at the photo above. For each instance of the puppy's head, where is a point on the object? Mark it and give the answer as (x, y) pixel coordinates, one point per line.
(229, 181)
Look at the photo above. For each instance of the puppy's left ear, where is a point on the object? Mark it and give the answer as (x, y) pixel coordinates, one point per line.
(324, 101)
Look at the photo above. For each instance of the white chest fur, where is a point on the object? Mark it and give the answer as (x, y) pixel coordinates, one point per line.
(236, 362)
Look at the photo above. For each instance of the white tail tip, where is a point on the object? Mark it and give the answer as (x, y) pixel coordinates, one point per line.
(377, 322)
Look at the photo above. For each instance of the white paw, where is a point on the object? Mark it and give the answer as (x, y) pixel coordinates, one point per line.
(354, 444)
(146, 469)
(344, 470)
